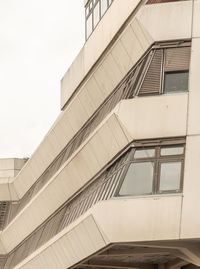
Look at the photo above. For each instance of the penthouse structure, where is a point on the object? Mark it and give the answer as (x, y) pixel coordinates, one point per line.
(115, 182)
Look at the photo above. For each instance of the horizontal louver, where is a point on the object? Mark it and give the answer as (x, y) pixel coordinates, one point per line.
(152, 80)
(177, 59)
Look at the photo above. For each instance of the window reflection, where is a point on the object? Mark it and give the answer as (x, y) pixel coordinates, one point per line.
(96, 14)
(172, 151)
(144, 153)
(170, 176)
(176, 81)
(89, 25)
(104, 6)
(87, 11)
(138, 180)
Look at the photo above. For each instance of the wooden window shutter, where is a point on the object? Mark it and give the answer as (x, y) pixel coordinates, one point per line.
(177, 59)
(152, 79)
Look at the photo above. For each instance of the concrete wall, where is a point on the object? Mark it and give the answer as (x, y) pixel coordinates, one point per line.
(95, 46)
(140, 219)
(10, 167)
(190, 221)
(69, 248)
(176, 23)
(141, 119)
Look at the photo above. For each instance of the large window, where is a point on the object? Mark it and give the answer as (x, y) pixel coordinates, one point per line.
(94, 11)
(153, 170)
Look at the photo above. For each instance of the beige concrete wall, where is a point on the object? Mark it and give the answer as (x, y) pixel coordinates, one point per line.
(158, 22)
(190, 221)
(154, 117)
(167, 21)
(105, 78)
(140, 219)
(72, 247)
(194, 94)
(10, 167)
(95, 46)
(100, 148)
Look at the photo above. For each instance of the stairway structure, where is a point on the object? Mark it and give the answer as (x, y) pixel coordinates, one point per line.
(115, 182)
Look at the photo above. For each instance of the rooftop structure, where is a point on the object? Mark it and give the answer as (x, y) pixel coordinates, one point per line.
(115, 182)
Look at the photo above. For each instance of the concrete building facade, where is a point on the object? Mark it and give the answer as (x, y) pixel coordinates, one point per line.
(115, 182)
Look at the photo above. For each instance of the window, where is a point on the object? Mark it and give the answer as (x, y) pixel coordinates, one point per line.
(170, 174)
(138, 180)
(176, 81)
(104, 6)
(144, 153)
(153, 170)
(94, 11)
(171, 151)
(89, 25)
(165, 69)
(96, 14)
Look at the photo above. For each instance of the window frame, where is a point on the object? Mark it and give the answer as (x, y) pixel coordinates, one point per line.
(181, 176)
(158, 159)
(163, 47)
(89, 10)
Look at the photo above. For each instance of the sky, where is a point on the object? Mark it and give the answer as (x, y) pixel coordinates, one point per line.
(39, 39)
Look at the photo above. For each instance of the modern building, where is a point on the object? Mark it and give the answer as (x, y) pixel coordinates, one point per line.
(115, 183)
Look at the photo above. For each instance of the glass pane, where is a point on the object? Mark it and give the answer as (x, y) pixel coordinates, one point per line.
(170, 176)
(138, 180)
(176, 82)
(89, 25)
(172, 151)
(96, 14)
(90, 5)
(144, 153)
(104, 6)
(87, 11)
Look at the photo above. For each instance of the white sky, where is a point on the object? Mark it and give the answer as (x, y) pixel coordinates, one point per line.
(38, 41)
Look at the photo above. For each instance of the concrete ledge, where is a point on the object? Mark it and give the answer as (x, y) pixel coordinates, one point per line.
(140, 219)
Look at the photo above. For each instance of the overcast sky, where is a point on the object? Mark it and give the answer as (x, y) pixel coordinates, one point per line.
(38, 41)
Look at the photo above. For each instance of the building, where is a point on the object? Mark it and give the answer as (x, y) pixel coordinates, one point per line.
(115, 182)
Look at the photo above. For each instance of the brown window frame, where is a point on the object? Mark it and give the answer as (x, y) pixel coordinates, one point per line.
(158, 159)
